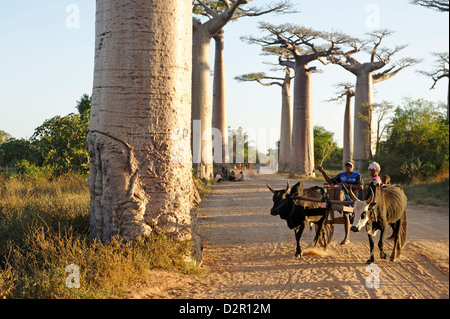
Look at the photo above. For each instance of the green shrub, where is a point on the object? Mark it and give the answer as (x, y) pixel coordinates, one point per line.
(28, 170)
(417, 143)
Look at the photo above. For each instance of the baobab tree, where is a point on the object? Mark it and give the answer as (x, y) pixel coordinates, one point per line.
(440, 71)
(346, 90)
(218, 14)
(201, 83)
(140, 178)
(305, 45)
(219, 106)
(286, 113)
(365, 135)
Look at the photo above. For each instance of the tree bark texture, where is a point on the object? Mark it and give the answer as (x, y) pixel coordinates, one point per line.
(219, 113)
(201, 101)
(140, 175)
(284, 159)
(302, 160)
(347, 152)
(364, 129)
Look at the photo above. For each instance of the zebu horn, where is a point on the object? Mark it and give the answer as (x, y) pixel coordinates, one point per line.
(352, 195)
(287, 186)
(372, 195)
(271, 189)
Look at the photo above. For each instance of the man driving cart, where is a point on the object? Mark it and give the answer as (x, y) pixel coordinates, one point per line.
(349, 179)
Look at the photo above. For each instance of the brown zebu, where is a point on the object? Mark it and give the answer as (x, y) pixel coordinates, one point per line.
(386, 207)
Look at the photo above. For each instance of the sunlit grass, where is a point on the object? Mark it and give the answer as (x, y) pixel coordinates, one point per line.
(44, 227)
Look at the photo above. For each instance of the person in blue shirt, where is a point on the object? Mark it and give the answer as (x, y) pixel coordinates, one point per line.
(349, 179)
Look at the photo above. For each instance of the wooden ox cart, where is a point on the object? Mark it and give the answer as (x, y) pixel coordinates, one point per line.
(334, 194)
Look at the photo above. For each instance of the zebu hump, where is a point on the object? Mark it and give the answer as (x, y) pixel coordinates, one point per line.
(392, 200)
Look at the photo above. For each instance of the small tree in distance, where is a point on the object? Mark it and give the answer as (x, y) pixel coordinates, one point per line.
(84, 105)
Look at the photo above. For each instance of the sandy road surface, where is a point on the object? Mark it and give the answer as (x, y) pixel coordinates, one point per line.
(250, 254)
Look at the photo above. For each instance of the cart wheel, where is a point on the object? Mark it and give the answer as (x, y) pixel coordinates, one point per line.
(327, 234)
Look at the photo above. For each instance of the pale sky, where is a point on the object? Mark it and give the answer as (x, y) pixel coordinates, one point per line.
(47, 59)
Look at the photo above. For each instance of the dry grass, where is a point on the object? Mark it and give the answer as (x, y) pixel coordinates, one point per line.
(435, 193)
(44, 227)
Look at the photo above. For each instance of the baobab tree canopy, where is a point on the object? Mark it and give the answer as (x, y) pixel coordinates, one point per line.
(304, 46)
(380, 57)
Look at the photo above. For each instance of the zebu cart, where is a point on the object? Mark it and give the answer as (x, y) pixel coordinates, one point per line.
(335, 195)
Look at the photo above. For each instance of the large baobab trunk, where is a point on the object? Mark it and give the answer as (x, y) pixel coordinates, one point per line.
(140, 176)
(284, 158)
(219, 116)
(364, 128)
(302, 155)
(347, 152)
(201, 102)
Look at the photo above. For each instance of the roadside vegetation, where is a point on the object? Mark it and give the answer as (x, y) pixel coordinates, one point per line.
(44, 227)
(44, 221)
(434, 193)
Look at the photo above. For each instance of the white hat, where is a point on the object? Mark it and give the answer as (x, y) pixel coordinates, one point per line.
(375, 166)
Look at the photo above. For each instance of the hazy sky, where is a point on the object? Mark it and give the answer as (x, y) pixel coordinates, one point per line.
(47, 58)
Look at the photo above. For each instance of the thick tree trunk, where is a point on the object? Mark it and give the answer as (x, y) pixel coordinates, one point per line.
(302, 160)
(347, 155)
(219, 114)
(140, 175)
(284, 158)
(201, 102)
(364, 134)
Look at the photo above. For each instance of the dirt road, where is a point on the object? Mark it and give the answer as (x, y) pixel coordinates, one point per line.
(250, 254)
